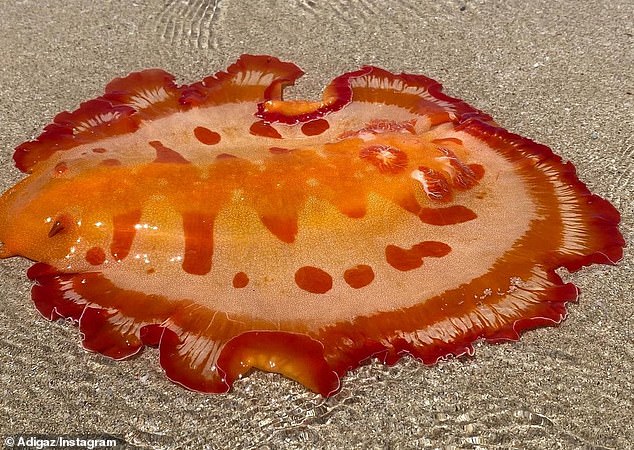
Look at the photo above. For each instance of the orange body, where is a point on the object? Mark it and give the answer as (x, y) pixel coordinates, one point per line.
(234, 229)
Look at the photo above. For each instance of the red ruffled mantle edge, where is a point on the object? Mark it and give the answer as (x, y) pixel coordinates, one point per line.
(152, 93)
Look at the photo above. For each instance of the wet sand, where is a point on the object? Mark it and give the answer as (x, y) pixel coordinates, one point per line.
(557, 72)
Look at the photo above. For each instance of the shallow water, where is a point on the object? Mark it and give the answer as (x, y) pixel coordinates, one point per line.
(553, 71)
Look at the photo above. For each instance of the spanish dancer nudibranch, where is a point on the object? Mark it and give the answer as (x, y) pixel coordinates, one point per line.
(235, 230)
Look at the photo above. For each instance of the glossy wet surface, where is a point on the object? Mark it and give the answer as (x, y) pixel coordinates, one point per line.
(556, 74)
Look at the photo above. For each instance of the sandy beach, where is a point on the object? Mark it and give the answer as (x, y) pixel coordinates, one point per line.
(559, 73)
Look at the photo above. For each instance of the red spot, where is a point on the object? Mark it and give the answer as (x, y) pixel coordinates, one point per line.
(60, 168)
(225, 156)
(261, 128)
(124, 233)
(206, 136)
(95, 256)
(386, 158)
(167, 155)
(99, 150)
(240, 280)
(312, 279)
(199, 242)
(478, 171)
(359, 276)
(446, 216)
(315, 127)
(279, 150)
(409, 259)
(111, 162)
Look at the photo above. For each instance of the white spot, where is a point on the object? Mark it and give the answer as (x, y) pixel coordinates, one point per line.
(385, 155)
(142, 256)
(145, 226)
(71, 252)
